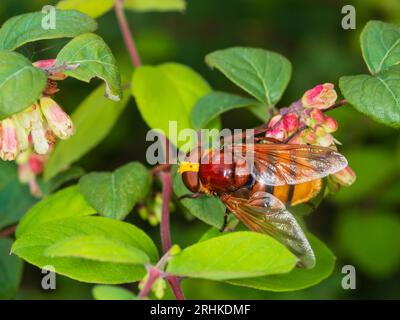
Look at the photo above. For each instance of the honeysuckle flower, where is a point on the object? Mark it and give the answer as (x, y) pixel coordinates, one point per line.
(40, 143)
(22, 134)
(321, 96)
(39, 124)
(59, 122)
(315, 117)
(308, 136)
(345, 177)
(8, 140)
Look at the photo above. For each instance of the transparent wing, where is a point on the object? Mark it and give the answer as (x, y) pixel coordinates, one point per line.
(264, 213)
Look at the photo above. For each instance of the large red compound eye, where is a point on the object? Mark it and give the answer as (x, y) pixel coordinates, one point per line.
(191, 181)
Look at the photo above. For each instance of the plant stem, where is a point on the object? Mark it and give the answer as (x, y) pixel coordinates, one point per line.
(8, 232)
(336, 105)
(154, 274)
(174, 282)
(166, 181)
(164, 173)
(126, 33)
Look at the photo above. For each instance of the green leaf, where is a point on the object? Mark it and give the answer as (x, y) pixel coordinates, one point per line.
(380, 45)
(93, 8)
(32, 246)
(263, 74)
(114, 194)
(66, 203)
(15, 198)
(377, 97)
(206, 208)
(93, 120)
(211, 233)
(105, 292)
(94, 60)
(178, 88)
(97, 248)
(21, 84)
(26, 28)
(11, 270)
(214, 104)
(155, 5)
(298, 278)
(65, 176)
(231, 256)
(371, 241)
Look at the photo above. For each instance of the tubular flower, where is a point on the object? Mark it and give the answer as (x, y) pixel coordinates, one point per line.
(321, 96)
(58, 121)
(345, 177)
(8, 140)
(40, 123)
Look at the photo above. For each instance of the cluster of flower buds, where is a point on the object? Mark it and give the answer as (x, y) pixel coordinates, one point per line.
(304, 122)
(39, 124)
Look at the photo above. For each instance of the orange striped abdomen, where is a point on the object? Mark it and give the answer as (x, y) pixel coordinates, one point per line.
(292, 195)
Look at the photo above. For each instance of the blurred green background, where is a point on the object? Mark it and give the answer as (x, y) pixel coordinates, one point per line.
(360, 224)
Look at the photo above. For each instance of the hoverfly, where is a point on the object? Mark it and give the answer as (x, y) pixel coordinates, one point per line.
(261, 181)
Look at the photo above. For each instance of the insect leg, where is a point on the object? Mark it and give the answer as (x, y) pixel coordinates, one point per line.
(190, 196)
(226, 216)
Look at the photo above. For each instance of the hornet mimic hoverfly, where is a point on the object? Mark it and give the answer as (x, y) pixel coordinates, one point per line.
(261, 181)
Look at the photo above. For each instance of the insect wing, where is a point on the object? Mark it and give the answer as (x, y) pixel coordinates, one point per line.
(280, 164)
(264, 213)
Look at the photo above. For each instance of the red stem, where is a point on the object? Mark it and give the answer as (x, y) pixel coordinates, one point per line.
(154, 274)
(126, 33)
(174, 282)
(164, 174)
(166, 181)
(8, 232)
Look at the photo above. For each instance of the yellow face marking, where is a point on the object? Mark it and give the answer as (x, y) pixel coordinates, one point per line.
(186, 166)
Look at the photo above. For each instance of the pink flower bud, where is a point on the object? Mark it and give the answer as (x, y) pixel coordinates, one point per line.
(45, 64)
(326, 140)
(274, 120)
(291, 122)
(317, 115)
(320, 131)
(321, 96)
(330, 124)
(345, 177)
(36, 163)
(58, 121)
(277, 133)
(9, 140)
(309, 136)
